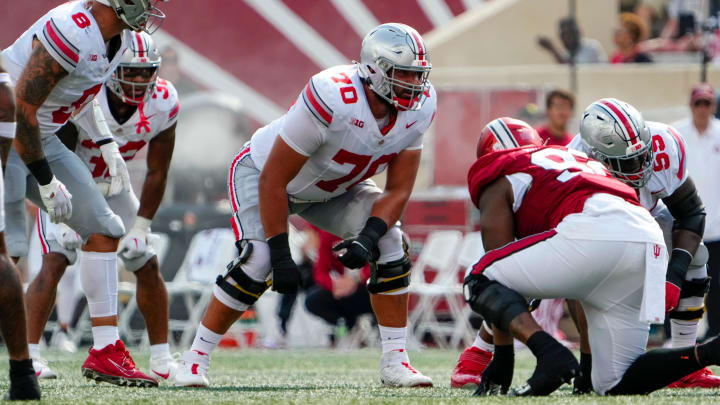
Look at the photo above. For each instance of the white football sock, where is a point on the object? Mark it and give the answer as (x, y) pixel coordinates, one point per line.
(34, 349)
(483, 345)
(392, 338)
(205, 340)
(159, 351)
(683, 333)
(104, 335)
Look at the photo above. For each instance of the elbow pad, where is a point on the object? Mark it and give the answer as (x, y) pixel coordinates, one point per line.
(687, 208)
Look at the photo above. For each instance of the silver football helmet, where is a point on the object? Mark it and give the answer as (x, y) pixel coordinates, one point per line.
(618, 137)
(138, 14)
(387, 49)
(142, 58)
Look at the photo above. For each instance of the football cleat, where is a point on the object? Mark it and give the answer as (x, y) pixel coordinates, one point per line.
(62, 341)
(164, 368)
(469, 368)
(42, 370)
(113, 364)
(703, 378)
(396, 371)
(23, 388)
(193, 368)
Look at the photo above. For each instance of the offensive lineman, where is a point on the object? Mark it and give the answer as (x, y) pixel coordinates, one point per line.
(658, 172)
(595, 243)
(58, 65)
(348, 124)
(23, 382)
(140, 109)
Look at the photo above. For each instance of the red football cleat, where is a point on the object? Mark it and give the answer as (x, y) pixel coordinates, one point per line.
(469, 368)
(114, 365)
(703, 378)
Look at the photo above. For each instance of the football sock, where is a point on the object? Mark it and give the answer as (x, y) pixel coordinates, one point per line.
(104, 335)
(19, 368)
(159, 351)
(684, 333)
(392, 338)
(34, 349)
(483, 345)
(205, 340)
(541, 343)
(658, 368)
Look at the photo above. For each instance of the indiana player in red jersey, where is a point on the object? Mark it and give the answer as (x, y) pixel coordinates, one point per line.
(583, 235)
(349, 123)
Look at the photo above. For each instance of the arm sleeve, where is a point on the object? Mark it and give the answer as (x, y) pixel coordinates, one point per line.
(85, 121)
(301, 131)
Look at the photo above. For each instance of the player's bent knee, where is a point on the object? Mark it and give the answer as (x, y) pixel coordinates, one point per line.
(390, 278)
(239, 287)
(497, 304)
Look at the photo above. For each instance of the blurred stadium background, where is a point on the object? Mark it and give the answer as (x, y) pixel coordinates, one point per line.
(240, 64)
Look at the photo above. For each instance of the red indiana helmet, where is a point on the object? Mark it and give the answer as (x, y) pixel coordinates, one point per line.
(506, 133)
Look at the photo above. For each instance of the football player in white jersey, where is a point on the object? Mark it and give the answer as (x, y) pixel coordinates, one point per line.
(655, 166)
(349, 123)
(140, 109)
(58, 65)
(23, 382)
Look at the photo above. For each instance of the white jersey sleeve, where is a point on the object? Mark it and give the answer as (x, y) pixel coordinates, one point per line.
(166, 102)
(669, 160)
(301, 131)
(62, 36)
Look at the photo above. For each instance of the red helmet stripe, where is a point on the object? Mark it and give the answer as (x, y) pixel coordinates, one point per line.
(141, 48)
(418, 45)
(623, 117)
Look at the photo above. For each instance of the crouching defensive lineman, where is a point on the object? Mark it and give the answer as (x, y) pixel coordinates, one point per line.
(595, 244)
(349, 123)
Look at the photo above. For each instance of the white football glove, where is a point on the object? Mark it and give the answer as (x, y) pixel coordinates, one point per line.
(56, 199)
(119, 177)
(67, 237)
(135, 243)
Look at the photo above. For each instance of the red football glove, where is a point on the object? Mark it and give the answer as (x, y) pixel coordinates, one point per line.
(672, 296)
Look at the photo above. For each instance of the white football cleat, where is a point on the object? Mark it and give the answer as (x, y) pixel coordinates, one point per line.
(194, 366)
(165, 368)
(62, 341)
(42, 370)
(396, 371)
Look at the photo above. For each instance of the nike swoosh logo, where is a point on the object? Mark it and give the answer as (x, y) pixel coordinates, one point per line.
(206, 341)
(164, 376)
(410, 124)
(122, 370)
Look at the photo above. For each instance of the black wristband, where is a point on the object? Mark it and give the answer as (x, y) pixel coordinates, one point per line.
(40, 169)
(279, 247)
(677, 267)
(374, 229)
(104, 141)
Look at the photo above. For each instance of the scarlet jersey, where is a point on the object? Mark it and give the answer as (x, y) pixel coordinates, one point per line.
(549, 183)
(159, 113)
(345, 144)
(72, 37)
(669, 165)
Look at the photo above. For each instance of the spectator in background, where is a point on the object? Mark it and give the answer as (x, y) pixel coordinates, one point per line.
(338, 292)
(702, 135)
(628, 35)
(583, 50)
(559, 106)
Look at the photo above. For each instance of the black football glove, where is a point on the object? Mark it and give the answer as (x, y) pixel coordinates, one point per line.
(360, 250)
(582, 383)
(285, 274)
(497, 376)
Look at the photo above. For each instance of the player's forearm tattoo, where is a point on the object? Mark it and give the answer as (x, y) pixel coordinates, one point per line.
(37, 80)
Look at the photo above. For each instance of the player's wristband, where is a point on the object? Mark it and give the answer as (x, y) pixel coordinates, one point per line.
(279, 248)
(104, 141)
(374, 229)
(40, 169)
(677, 267)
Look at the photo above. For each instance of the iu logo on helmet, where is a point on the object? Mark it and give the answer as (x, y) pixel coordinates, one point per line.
(656, 251)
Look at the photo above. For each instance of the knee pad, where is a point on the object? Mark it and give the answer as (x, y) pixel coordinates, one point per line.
(236, 283)
(99, 280)
(392, 246)
(389, 277)
(497, 304)
(692, 294)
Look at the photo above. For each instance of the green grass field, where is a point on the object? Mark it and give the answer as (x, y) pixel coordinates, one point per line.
(314, 376)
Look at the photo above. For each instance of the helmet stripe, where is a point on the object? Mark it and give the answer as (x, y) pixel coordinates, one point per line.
(141, 48)
(509, 133)
(624, 119)
(418, 45)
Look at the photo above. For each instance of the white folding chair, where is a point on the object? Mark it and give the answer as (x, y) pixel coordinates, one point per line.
(438, 254)
(471, 249)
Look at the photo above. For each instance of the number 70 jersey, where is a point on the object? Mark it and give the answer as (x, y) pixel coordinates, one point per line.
(549, 183)
(331, 123)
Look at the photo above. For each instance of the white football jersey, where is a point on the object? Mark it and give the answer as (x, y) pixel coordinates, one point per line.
(345, 146)
(159, 113)
(669, 165)
(71, 35)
